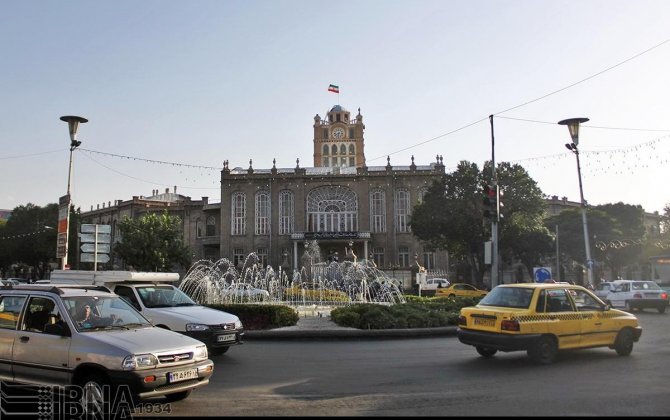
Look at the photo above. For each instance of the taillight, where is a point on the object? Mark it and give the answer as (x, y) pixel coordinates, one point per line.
(664, 295)
(462, 320)
(637, 295)
(510, 325)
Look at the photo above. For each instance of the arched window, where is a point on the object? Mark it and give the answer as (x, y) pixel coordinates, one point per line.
(199, 228)
(286, 214)
(402, 210)
(332, 209)
(211, 226)
(325, 149)
(238, 214)
(352, 149)
(421, 193)
(262, 225)
(334, 149)
(326, 161)
(343, 149)
(377, 211)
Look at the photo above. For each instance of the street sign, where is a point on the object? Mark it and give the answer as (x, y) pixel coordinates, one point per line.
(102, 258)
(102, 248)
(88, 228)
(542, 274)
(103, 238)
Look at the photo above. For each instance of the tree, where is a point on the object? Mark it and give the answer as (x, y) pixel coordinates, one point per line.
(29, 240)
(153, 243)
(451, 217)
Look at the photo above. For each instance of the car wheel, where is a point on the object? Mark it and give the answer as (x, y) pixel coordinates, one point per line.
(218, 351)
(451, 295)
(177, 396)
(661, 309)
(624, 342)
(486, 351)
(544, 350)
(92, 398)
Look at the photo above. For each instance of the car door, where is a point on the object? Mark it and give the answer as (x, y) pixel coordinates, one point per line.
(565, 322)
(10, 311)
(618, 294)
(595, 322)
(40, 357)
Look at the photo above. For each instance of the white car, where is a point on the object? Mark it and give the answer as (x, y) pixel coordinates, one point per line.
(637, 294)
(434, 284)
(602, 289)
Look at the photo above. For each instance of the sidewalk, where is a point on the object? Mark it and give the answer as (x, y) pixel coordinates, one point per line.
(315, 327)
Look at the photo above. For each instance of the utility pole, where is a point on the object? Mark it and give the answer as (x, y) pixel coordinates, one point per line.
(494, 219)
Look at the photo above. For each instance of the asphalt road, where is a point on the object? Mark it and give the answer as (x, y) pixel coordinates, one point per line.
(435, 376)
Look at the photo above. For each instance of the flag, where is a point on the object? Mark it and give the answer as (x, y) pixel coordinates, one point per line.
(333, 88)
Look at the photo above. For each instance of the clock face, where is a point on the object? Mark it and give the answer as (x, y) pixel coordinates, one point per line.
(338, 132)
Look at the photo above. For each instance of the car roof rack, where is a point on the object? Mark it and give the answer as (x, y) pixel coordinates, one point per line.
(54, 288)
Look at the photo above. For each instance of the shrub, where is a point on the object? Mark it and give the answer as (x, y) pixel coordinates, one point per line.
(259, 317)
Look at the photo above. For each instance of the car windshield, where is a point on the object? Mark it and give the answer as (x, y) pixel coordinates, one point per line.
(91, 313)
(163, 296)
(508, 297)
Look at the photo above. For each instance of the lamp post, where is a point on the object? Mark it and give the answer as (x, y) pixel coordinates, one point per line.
(573, 127)
(64, 203)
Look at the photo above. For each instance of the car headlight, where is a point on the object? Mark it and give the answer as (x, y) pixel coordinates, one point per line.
(200, 353)
(196, 327)
(138, 361)
(238, 324)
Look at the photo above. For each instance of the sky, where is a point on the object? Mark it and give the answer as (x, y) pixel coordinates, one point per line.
(172, 89)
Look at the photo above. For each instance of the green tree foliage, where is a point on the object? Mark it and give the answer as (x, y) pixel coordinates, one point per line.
(153, 242)
(28, 241)
(451, 217)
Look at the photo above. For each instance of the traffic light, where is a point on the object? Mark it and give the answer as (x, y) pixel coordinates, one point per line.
(489, 201)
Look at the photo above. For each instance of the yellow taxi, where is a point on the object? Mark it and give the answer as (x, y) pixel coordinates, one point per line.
(461, 290)
(543, 318)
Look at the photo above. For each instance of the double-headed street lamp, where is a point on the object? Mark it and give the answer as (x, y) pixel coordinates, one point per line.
(573, 127)
(64, 202)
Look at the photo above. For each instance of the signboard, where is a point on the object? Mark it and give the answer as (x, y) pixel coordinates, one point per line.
(102, 238)
(102, 258)
(541, 274)
(102, 248)
(60, 249)
(88, 228)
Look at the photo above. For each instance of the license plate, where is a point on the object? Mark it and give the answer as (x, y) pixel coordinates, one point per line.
(226, 337)
(484, 322)
(183, 375)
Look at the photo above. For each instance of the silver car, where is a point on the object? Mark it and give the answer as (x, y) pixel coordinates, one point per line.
(90, 338)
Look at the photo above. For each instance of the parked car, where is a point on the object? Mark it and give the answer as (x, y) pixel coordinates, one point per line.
(544, 318)
(9, 282)
(637, 294)
(461, 290)
(602, 289)
(48, 340)
(434, 284)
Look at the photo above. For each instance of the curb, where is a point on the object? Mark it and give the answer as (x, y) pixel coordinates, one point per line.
(346, 333)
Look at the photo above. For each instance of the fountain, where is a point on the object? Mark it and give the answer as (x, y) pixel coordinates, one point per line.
(317, 286)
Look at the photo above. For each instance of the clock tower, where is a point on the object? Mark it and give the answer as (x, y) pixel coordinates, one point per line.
(338, 140)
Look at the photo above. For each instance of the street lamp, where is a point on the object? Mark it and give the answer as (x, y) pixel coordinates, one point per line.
(573, 127)
(64, 203)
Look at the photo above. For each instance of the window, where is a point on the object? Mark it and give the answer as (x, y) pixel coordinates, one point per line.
(211, 226)
(343, 149)
(40, 312)
(325, 133)
(262, 254)
(429, 260)
(402, 210)
(378, 256)
(377, 211)
(352, 149)
(334, 149)
(262, 226)
(403, 256)
(239, 213)
(421, 194)
(332, 209)
(285, 212)
(238, 257)
(325, 149)
(325, 161)
(199, 228)
(10, 308)
(351, 133)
